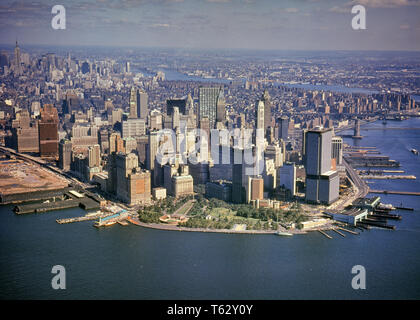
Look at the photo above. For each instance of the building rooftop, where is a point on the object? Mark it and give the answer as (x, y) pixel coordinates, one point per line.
(319, 129)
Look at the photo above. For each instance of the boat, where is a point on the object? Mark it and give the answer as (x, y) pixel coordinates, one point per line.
(280, 233)
(415, 151)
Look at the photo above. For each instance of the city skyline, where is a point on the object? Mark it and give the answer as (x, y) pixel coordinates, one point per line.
(213, 24)
(131, 169)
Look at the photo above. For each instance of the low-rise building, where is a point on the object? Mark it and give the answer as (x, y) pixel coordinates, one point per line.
(219, 190)
(159, 193)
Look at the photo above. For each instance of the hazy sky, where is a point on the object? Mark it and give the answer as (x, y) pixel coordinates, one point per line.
(265, 24)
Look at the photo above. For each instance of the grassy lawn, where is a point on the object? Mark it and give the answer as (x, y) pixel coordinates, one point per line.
(229, 216)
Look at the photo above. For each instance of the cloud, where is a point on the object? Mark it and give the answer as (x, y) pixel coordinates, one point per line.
(374, 4)
(339, 10)
(160, 25)
(386, 3)
(291, 10)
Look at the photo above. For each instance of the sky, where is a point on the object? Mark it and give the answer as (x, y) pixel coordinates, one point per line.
(214, 24)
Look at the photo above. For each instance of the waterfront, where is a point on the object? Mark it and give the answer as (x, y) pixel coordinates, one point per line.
(131, 262)
(174, 75)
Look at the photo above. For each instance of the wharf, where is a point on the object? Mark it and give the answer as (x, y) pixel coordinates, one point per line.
(349, 231)
(31, 196)
(371, 161)
(404, 208)
(379, 171)
(325, 234)
(340, 233)
(84, 203)
(407, 193)
(84, 218)
(387, 177)
(375, 224)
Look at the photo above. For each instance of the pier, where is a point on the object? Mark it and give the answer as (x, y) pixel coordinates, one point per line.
(349, 231)
(340, 233)
(407, 193)
(404, 208)
(376, 224)
(379, 171)
(84, 203)
(386, 216)
(371, 161)
(84, 218)
(325, 234)
(387, 177)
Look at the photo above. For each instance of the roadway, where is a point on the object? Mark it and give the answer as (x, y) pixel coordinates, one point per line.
(363, 188)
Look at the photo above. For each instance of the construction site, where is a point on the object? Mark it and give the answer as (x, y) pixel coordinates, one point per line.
(22, 181)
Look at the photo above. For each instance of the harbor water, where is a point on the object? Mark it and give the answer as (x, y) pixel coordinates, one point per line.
(131, 262)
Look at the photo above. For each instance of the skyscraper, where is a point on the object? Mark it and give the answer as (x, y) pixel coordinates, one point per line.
(208, 99)
(153, 146)
(337, 149)
(70, 103)
(17, 62)
(132, 184)
(220, 107)
(138, 104)
(175, 118)
(142, 105)
(133, 103)
(322, 183)
(286, 177)
(283, 128)
(260, 115)
(267, 109)
(116, 144)
(4, 59)
(254, 189)
(181, 104)
(318, 151)
(48, 131)
(94, 156)
(133, 128)
(25, 133)
(65, 154)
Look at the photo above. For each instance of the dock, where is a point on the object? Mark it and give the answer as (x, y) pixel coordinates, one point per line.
(375, 224)
(78, 219)
(386, 216)
(340, 233)
(349, 231)
(85, 203)
(370, 161)
(325, 234)
(388, 177)
(404, 208)
(407, 193)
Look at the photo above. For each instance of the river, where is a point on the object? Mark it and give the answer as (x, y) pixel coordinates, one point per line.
(173, 75)
(131, 262)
